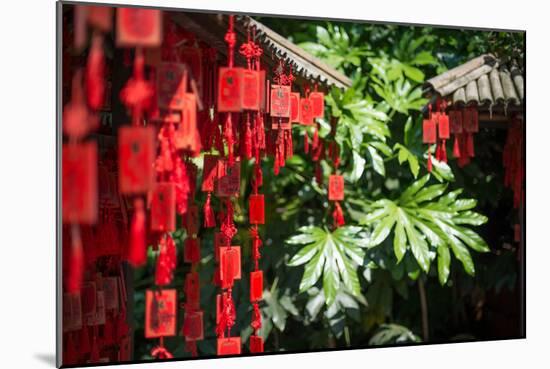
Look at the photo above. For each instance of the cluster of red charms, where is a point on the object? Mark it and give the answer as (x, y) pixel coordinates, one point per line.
(440, 124)
(512, 158)
(94, 298)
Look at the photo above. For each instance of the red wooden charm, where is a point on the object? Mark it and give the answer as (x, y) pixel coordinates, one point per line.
(230, 265)
(229, 178)
(336, 188)
(136, 155)
(163, 207)
(209, 172)
(256, 344)
(455, 120)
(471, 120)
(192, 250)
(193, 326)
(306, 111)
(428, 131)
(256, 285)
(256, 209)
(171, 86)
(192, 220)
(138, 27)
(229, 89)
(280, 101)
(79, 190)
(229, 346)
(192, 291)
(295, 107)
(317, 104)
(443, 126)
(250, 97)
(160, 313)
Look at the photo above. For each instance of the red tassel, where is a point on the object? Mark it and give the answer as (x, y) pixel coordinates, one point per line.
(456, 148)
(470, 145)
(256, 322)
(76, 264)
(137, 255)
(437, 152)
(276, 162)
(319, 174)
(443, 151)
(160, 352)
(209, 218)
(429, 161)
(95, 70)
(306, 143)
(315, 140)
(228, 133)
(338, 215)
(289, 144)
(248, 140)
(191, 346)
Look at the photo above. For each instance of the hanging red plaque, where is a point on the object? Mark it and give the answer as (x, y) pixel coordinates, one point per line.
(471, 120)
(429, 131)
(192, 220)
(250, 97)
(280, 101)
(443, 126)
(306, 111)
(79, 190)
(191, 250)
(136, 155)
(229, 346)
(138, 27)
(229, 178)
(163, 207)
(455, 120)
(295, 107)
(256, 209)
(192, 291)
(193, 326)
(209, 172)
(171, 86)
(256, 344)
(229, 89)
(336, 188)
(317, 104)
(230, 265)
(256, 285)
(160, 313)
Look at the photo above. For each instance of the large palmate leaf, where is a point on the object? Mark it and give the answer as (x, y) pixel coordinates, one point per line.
(429, 223)
(334, 256)
(393, 333)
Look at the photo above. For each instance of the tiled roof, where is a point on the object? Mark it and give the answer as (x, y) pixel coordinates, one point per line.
(482, 81)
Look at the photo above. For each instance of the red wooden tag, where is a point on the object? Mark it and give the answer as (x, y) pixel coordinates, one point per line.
(280, 123)
(79, 183)
(428, 131)
(220, 240)
(138, 27)
(192, 291)
(229, 179)
(171, 85)
(250, 97)
(192, 220)
(317, 104)
(256, 285)
(295, 107)
(209, 172)
(470, 120)
(229, 346)
(230, 265)
(336, 188)
(193, 326)
(136, 155)
(443, 126)
(192, 250)
(256, 344)
(306, 111)
(163, 207)
(256, 209)
(101, 17)
(160, 313)
(263, 97)
(280, 101)
(455, 120)
(229, 89)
